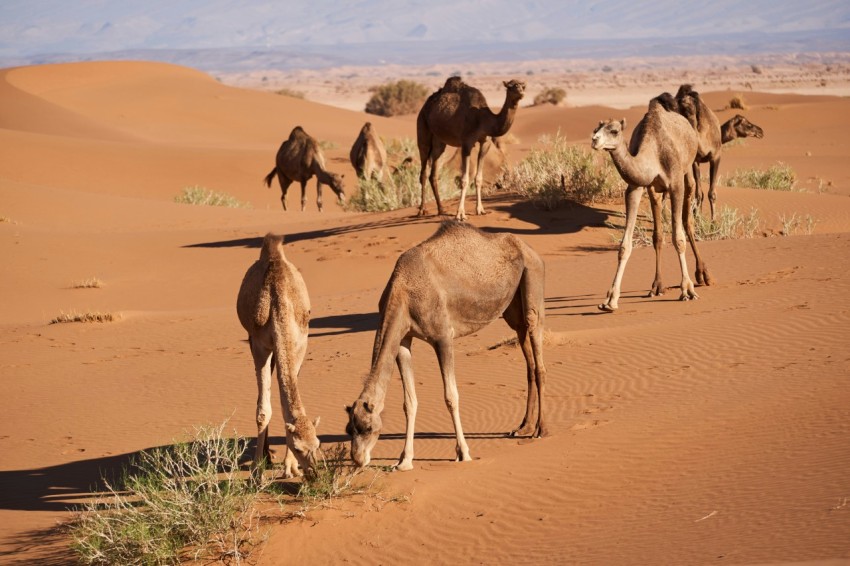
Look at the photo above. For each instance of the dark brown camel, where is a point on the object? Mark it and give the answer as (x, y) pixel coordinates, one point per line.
(298, 159)
(458, 115)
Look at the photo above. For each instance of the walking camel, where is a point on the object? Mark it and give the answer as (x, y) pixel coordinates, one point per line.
(274, 308)
(451, 285)
(660, 156)
(369, 157)
(458, 115)
(298, 159)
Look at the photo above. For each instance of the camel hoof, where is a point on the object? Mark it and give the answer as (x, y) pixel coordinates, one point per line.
(606, 307)
(423, 212)
(521, 431)
(441, 212)
(482, 212)
(656, 291)
(403, 467)
(689, 296)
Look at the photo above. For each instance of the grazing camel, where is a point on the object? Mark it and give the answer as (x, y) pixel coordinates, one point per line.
(739, 127)
(274, 308)
(451, 285)
(457, 115)
(659, 156)
(369, 157)
(298, 159)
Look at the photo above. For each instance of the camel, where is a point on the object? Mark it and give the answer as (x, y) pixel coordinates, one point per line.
(457, 115)
(298, 159)
(707, 127)
(369, 157)
(274, 308)
(451, 285)
(739, 127)
(659, 157)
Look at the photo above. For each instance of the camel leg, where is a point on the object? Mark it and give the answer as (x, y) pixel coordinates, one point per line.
(714, 166)
(303, 195)
(479, 175)
(533, 299)
(263, 366)
(437, 150)
(633, 195)
(319, 194)
(464, 181)
(425, 161)
(513, 315)
(701, 274)
(284, 186)
(405, 368)
(677, 198)
(445, 355)
(698, 195)
(657, 239)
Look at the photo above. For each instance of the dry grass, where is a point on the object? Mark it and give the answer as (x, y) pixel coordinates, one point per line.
(738, 102)
(74, 316)
(90, 283)
(779, 177)
(201, 196)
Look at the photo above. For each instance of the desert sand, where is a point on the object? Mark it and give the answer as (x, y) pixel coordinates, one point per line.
(711, 431)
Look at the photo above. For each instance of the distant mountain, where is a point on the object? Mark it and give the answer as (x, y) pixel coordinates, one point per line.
(321, 32)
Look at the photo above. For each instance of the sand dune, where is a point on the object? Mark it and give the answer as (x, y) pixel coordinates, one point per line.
(683, 433)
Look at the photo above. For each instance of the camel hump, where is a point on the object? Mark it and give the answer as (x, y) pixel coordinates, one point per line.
(453, 84)
(297, 132)
(686, 90)
(666, 101)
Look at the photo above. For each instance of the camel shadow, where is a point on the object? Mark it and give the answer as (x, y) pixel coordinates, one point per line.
(570, 218)
(360, 322)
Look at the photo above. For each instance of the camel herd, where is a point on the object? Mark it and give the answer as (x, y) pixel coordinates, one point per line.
(462, 279)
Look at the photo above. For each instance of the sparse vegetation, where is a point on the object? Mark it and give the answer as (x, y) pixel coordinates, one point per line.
(74, 316)
(291, 93)
(327, 145)
(779, 177)
(728, 224)
(395, 98)
(794, 223)
(756, 69)
(550, 95)
(738, 102)
(557, 171)
(202, 196)
(90, 283)
(372, 196)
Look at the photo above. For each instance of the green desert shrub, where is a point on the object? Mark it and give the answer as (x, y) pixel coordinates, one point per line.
(729, 224)
(372, 196)
(395, 98)
(202, 196)
(550, 95)
(186, 501)
(557, 171)
(779, 177)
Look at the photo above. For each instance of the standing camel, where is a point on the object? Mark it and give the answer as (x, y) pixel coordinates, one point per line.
(739, 127)
(457, 115)
(274, 308)
(451, 285)
(660, 156)
(298, 159)
(369, 157)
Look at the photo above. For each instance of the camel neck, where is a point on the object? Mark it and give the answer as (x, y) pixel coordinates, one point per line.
(631, 167)
(505, 118)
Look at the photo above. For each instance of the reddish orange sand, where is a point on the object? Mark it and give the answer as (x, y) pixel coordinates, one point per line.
(712, 431)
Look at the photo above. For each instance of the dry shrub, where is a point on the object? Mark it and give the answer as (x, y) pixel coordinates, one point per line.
(400, 97)
(74, 316)
(90, 283)
(738, 102)
(201, 196)
(779, 177)
(550, 95)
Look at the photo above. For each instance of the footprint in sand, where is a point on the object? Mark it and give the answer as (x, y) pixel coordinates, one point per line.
(588, 424)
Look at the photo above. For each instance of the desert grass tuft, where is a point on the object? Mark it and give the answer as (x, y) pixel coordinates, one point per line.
(729, 224)
(779, 177)
(201, 196)
(557, 171)
(74, 316)
(90, 283)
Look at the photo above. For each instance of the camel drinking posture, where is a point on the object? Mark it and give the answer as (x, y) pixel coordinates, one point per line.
(274, 309)
(660, 156)
(451, 285)
(457, 115)
(298, 159)
(369, 157)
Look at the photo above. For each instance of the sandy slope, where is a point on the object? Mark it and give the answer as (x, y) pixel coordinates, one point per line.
(710, 431)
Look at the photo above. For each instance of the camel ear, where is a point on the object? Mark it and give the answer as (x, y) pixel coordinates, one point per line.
(349, 408)
(290, 427)
(623, 123)
(601, 122)
(368, 406)
(316, 422)
(505, 84)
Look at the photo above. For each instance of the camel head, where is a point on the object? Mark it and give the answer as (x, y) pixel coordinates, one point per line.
(364, 427)
(746, 129)
(608, 134)
(337, 187)
(302, 440)
(516, 90)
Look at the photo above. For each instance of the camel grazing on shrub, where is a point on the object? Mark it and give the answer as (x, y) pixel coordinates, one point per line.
(298, 159)
(369, 156)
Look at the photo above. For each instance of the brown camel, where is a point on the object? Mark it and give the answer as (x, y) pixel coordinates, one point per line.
(739, 127)
(298, 159)
(369, 157)
(451, 285)
(659, 156)
(274, 308)
(457, 115)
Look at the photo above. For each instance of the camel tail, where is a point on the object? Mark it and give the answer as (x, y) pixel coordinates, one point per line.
(269, 177)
